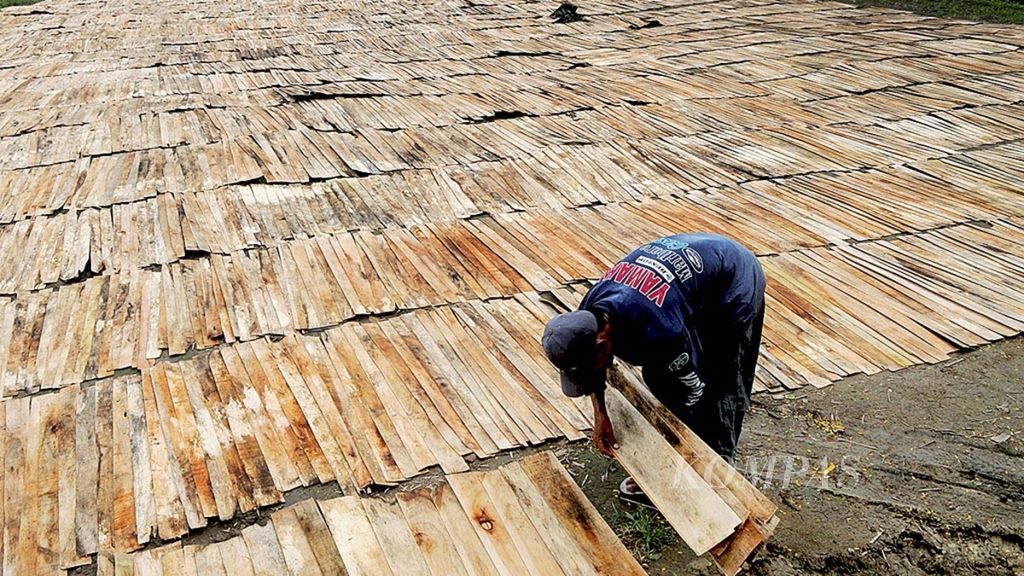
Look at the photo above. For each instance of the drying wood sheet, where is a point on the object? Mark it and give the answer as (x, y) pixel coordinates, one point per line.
(709, 503)
(526, 517)
(932, 293)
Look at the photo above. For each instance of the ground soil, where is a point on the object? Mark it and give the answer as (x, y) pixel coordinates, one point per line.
(901, 473)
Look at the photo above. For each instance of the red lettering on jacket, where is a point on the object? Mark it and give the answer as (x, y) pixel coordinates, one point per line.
(637, 277)
(621, 274)
(650, 282)
(659, 294)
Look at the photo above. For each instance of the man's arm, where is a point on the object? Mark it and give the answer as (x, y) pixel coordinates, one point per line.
(604, 436)
(683, 370)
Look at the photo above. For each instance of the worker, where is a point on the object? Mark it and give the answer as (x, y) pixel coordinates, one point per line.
(686, 308)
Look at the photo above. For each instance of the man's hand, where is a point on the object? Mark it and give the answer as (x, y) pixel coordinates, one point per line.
(604, 436)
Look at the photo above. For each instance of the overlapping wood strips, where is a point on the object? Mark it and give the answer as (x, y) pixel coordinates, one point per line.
(527, 517)
(805, 210)
(316, 238)
(954, 294)
(376, 402)
(711, 505)
(131, 458)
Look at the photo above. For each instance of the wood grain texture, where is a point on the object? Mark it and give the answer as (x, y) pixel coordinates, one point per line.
(700, 516)
(529, 514)
(249, 268)
(750, 505)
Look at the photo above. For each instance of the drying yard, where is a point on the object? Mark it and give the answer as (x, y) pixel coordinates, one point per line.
(251, 247)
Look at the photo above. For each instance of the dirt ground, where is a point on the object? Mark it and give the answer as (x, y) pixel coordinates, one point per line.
(915, 472)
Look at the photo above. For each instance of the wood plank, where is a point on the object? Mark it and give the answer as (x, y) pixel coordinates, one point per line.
(179, 460)
(395, 537)
(475, 556)
(321, 407)
(574, 513)
(519, 324)
(701, 518)
(209, 561)
(172, 560)
(287, 412)
(295, 469)
(190, 441)
(430, 532)
(363, 272)
(105, 565)
(87, 466)
(319, 537)
(264, 490)
(57, 430)
(123, 564)
(106, 483)
(354, 304)
(124, 527)
(145, 562)
(438, 438)
(490, 528)
(260, 377)
(741, 495)
(432, 399)
(210, 442)
(235, 555)
(731, 555)
(308, 371)
(209, 396)
(440, 375)
(27, 549)
(527, 426)
(573, 556)
(170, 513)
(411, 426)
(265, 550)
(531, 543)
(355, 392)
(3, 480)
(354, 537)
(298, 554)
(537, 392)
(444, 350)
(145, 515)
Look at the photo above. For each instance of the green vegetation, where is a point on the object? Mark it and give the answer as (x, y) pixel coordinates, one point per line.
(6, 3)
(644, 532)
(1002, 11)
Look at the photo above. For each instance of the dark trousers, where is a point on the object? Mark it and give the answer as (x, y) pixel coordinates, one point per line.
(727, 366)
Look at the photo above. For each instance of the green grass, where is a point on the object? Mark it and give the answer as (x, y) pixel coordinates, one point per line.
(6, 3)
(644, 532)
(1001, 11)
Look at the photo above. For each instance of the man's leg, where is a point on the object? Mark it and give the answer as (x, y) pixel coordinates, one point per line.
(732, 357)
(667, 390)
(714, 416)
(718, 418)
(751, 351)
(749, 345)
(717, 423)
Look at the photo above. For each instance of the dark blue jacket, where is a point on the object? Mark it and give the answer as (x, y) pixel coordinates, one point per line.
(662, 296)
